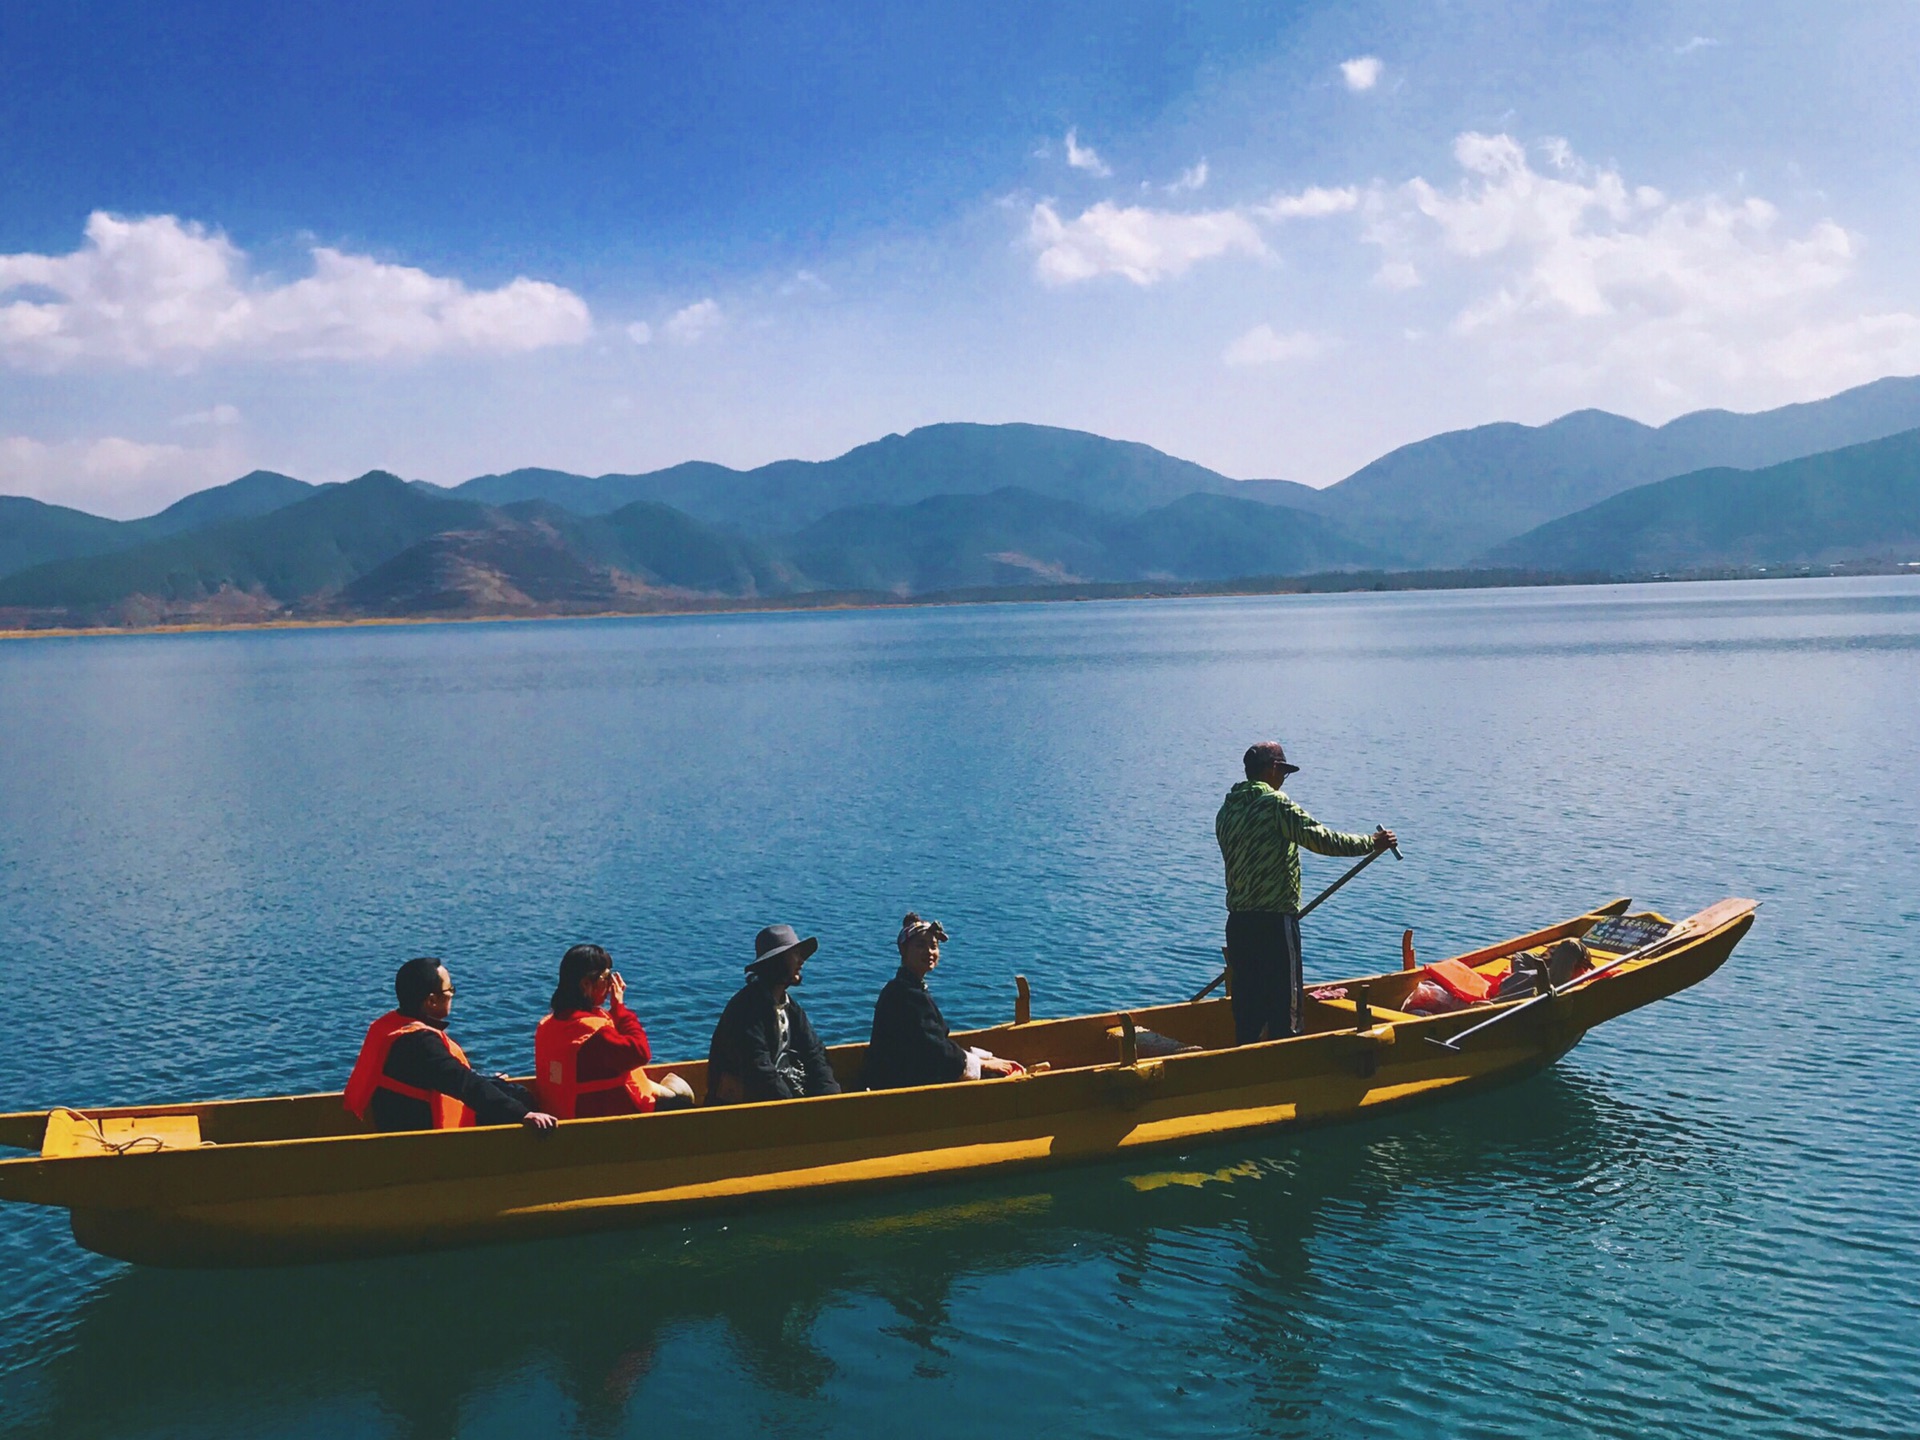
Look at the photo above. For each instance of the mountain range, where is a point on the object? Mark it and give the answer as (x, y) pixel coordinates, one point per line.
(1445, 500)
(970, 507)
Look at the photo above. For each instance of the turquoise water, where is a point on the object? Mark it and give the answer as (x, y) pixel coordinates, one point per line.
(214, 850)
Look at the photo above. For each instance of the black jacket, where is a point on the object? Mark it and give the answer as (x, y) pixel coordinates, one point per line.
(420, 1060)
(743, 1062)
(910, 1044)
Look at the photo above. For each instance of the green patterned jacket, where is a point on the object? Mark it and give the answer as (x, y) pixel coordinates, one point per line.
(1260, 830)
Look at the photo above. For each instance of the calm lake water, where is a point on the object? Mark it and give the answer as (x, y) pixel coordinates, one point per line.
(215, 849)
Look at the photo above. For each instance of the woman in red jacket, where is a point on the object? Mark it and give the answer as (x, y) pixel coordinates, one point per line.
(589, 1052)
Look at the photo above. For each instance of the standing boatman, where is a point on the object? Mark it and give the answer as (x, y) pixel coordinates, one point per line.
(1260, 831)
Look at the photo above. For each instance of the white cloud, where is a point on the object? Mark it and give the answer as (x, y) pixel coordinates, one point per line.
(1192, 178)
(640, 333)
(1084, 157)
(1145, 246)
(1582, 277)
(1698, 42)
(156, 290)
(1590, 245)
(1262, 345)
(218, 415)
(693, 323)
(112, 475)
(1313, 203)
(1361, 73)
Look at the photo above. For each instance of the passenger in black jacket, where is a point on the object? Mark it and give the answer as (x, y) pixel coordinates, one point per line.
(422, 1061)
(408, 1062)
(764, 1047)
(910, 1044)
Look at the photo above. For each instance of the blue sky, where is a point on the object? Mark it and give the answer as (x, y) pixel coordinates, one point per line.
(1274, 239)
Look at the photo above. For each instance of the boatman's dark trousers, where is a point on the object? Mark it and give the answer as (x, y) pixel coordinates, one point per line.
(1263, 951)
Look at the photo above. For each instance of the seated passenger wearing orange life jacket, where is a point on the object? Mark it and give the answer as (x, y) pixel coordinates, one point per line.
(588, 1053)
(411, 1075)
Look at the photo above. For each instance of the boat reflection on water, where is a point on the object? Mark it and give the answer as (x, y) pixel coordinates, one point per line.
(430, 1342)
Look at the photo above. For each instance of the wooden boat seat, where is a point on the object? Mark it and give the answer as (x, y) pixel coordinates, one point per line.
(70, 1133)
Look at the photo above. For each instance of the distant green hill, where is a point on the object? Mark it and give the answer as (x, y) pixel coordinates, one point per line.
(535, 558)
(506, 567)
(1447, 499)
(258, 492)
(298, 551)
(34, 533)
(1861, 502)
(668, 547)
(947, 542)
(1220, 537)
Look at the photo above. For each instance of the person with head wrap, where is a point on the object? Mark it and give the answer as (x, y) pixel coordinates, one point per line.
(910, 1044)
(410, 1075)
(764, 1047)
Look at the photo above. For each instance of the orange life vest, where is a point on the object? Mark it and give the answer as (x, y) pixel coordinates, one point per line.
(370, 1072)
(1460, 981)
(556, 1060)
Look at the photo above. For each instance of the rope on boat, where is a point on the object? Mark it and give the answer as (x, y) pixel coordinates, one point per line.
(138, 1144)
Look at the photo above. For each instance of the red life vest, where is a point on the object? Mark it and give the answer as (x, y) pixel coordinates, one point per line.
(556, 1062)
(370, 1072)
(1460, 981)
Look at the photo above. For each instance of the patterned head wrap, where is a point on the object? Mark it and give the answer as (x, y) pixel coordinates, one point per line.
(913, 927)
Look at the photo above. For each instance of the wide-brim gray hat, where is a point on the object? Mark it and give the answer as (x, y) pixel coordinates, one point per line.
(776, 942)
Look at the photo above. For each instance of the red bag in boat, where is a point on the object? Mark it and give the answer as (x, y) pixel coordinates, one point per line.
(1460, 981)
(1427, 998)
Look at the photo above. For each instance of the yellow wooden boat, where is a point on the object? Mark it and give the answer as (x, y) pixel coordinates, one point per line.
(292, 1178)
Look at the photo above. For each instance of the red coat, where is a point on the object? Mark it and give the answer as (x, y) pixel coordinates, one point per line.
(608, 1054)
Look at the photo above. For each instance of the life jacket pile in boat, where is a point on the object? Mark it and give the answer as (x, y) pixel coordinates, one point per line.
(1448, 985)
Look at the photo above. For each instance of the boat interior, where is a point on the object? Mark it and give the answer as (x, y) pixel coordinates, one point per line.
(1078, 1042)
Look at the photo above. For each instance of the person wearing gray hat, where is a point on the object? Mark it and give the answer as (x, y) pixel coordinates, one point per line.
(1261, 832)
(764, 1047)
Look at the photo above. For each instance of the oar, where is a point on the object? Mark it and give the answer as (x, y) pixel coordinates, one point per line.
(1308, 909)
(1679, 932)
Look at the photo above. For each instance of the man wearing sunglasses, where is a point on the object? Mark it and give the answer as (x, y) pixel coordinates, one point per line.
(410, 1074)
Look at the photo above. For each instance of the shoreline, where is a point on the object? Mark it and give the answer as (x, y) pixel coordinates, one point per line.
(1326, 583)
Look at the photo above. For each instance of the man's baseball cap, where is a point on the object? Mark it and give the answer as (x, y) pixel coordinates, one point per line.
(1265, 755)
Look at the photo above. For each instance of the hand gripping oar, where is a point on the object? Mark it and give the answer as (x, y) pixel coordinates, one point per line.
(1684, 930)
(1307, 910)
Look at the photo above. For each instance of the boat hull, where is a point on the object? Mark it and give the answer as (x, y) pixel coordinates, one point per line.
(275, 1201)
